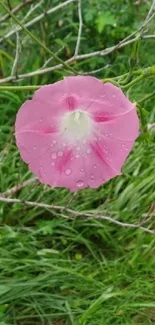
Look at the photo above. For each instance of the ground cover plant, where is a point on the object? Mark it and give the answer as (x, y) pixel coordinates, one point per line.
(88, 257)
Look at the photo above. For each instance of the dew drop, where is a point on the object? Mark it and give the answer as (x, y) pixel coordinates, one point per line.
(81, 170)
(88, 150)
(53, 155)
(92, 176)
(95, 166)
(123, 145)
(52, 163)
(79, 183)
(34, 148)
(60, 153)
(77, 156)
(113, 95)
(68, 171)
(41, 120)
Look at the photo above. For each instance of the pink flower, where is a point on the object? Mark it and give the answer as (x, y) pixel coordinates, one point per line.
(76, 132)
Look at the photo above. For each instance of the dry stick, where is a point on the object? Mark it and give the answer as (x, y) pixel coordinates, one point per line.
(18, 50)
(32, 8)
(80, 28)
(16, 9)
(71, 60)
(19, 187)
(75, 213)
(36, 40)
(38, 18)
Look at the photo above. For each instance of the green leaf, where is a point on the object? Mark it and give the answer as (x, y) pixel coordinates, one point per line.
(103, 20)
(3, 289)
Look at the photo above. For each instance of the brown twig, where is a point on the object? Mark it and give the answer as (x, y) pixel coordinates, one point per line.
(16, 9)
(19, 187)
(76, 213)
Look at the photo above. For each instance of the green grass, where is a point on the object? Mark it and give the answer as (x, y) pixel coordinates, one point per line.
(60, 271)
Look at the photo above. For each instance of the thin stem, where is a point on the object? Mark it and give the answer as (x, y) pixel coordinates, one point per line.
(133, 82)
(16, 9)
(80, 28)
(146, 97)
(75, 213)
(19, 187)
(18, 49)
(20, 88)
(40, 17)
(66, 66)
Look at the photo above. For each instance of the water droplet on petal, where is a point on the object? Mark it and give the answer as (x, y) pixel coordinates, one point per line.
(52, 163)
(95, 166)
(53, 155)
(92, 176)
(68, 171)
(79, 183)
(77, 156)
(34, 148)
(60, 153)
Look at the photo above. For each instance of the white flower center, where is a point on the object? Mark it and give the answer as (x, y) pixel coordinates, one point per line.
(76, 125)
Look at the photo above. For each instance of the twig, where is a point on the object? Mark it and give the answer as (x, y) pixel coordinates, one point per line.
(150, 11)
(16, 9)
(38, 18)
(71, 60)
(19, 187)
(32, 9)
(150, 126)
(18, 50)
(96, 71)
(80, 28)
(36, 39)
(51, 59)
(75, 213)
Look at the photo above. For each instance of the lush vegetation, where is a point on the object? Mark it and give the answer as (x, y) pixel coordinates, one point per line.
(61, 271)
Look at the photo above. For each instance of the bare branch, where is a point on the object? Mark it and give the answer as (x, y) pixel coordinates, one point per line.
(71, 60)
(150, 126)
(76, 213)
(80, 28)
(96, 71)
(32, 9)
(19, 187)
(38, 18)
(16, 9)
(18, 50)
(36, 39)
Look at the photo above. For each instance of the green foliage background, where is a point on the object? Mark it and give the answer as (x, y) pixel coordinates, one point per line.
(78, 272)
